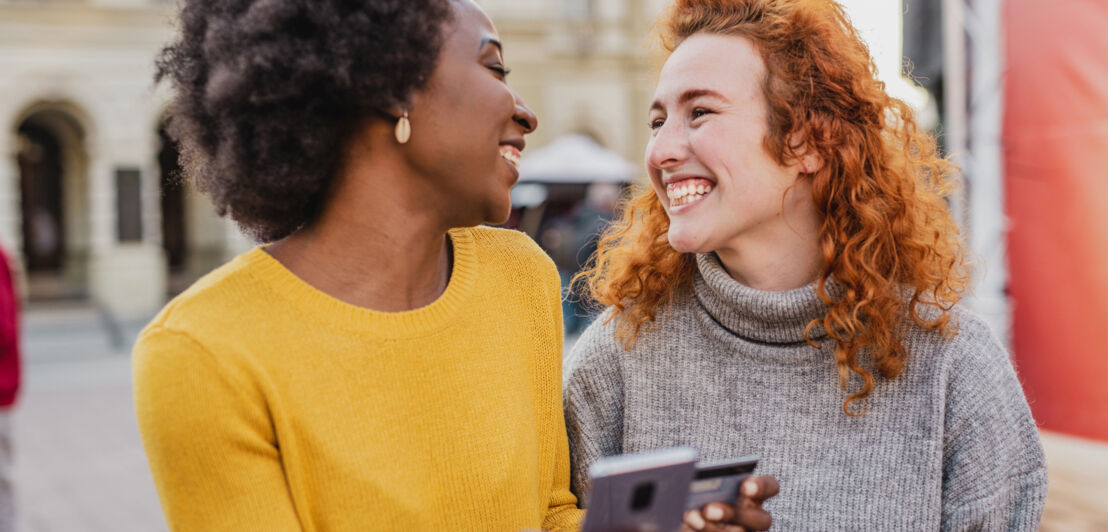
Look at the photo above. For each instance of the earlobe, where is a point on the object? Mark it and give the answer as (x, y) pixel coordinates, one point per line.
(811, 162)
(809, 159)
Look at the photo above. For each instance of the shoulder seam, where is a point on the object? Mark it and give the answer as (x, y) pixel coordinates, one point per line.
(240, 385)
(161, 326)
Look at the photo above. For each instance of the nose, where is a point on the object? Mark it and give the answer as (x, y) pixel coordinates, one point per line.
(668, 147)
(524, 116)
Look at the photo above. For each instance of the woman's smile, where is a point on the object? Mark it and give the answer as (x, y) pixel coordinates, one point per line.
(684, 193)
(511, 155)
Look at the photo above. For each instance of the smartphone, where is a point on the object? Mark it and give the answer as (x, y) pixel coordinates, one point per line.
(642, 492)
(719, 481)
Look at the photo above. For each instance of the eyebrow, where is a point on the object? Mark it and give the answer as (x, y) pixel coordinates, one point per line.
(691, 94)
(490, 40)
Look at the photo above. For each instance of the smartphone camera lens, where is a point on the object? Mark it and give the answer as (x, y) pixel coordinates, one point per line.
(642, 496)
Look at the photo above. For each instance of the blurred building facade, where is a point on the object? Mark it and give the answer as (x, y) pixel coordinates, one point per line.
(90, 201)
(583, 65)
(85, 174)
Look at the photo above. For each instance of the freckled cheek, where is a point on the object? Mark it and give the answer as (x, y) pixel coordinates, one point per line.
(711, 152)
(712, 141)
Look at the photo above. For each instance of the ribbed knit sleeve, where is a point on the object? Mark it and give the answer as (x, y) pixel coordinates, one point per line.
(208, 438)
(562, 511)
(994, 472)
(593, 402)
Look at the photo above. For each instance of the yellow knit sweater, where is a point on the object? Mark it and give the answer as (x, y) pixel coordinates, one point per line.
(265, 404)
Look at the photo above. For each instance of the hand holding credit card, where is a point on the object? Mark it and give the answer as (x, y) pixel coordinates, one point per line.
(719, 481)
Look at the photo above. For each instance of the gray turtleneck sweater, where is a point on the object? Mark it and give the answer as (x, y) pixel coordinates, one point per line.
(950, 444)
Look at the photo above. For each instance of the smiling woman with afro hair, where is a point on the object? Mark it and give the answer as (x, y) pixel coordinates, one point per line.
(382, 362)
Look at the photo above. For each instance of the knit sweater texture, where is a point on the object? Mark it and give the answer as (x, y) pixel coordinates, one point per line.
(265, 404)
(948, 445)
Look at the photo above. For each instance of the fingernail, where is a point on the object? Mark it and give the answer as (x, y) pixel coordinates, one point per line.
(750, 489)
(694, 520)
(714, 513)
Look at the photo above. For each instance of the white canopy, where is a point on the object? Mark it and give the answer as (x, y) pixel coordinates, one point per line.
(575, 158)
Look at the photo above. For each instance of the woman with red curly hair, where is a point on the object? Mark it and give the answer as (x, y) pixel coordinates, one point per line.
(788, 286)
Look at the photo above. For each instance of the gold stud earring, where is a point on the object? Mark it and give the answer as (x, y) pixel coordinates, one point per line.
(403, 129)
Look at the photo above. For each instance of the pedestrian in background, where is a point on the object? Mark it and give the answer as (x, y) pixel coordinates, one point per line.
(571, 241)
(9, 388)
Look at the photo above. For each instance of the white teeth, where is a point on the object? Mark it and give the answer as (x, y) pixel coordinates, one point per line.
(684, 194)
(509, 154)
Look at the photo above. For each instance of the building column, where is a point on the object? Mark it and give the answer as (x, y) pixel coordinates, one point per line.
(10, 232)
(127, 277)
(11, 220)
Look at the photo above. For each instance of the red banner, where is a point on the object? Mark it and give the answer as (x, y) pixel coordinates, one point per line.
(1056, 161)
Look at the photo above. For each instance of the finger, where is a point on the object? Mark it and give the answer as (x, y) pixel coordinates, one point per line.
(718, 512)
(753, 517)
(721, 527)
(760, 487)
(694, 520)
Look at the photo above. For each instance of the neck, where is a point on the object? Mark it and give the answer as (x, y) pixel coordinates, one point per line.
(381, 271)
(780, 257)
(374, 245)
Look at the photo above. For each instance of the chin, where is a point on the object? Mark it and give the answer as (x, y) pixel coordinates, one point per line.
(498, 214)
(498, 220)
(686, 241)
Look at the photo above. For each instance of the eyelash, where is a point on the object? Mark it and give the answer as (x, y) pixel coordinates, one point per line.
(696, 113)
(501, 71)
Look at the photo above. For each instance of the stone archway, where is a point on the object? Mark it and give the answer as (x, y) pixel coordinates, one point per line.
(40, 186)
(52, 162)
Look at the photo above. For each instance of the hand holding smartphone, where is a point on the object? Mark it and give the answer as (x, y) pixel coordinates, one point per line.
(649, 492)
(644, 492)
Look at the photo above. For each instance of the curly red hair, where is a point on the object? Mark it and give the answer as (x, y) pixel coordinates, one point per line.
(887, 236)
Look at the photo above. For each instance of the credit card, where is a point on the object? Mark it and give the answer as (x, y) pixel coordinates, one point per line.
(719, 481)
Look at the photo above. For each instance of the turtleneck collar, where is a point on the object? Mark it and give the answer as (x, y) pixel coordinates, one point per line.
(760, 316)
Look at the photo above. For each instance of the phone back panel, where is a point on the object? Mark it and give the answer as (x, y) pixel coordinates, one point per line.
(646, 492)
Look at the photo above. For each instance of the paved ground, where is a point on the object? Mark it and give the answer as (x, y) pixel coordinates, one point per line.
(1077, 499)
(80, 466)
(79, 461)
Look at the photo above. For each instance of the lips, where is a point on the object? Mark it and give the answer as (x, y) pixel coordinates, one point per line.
(511, 154)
